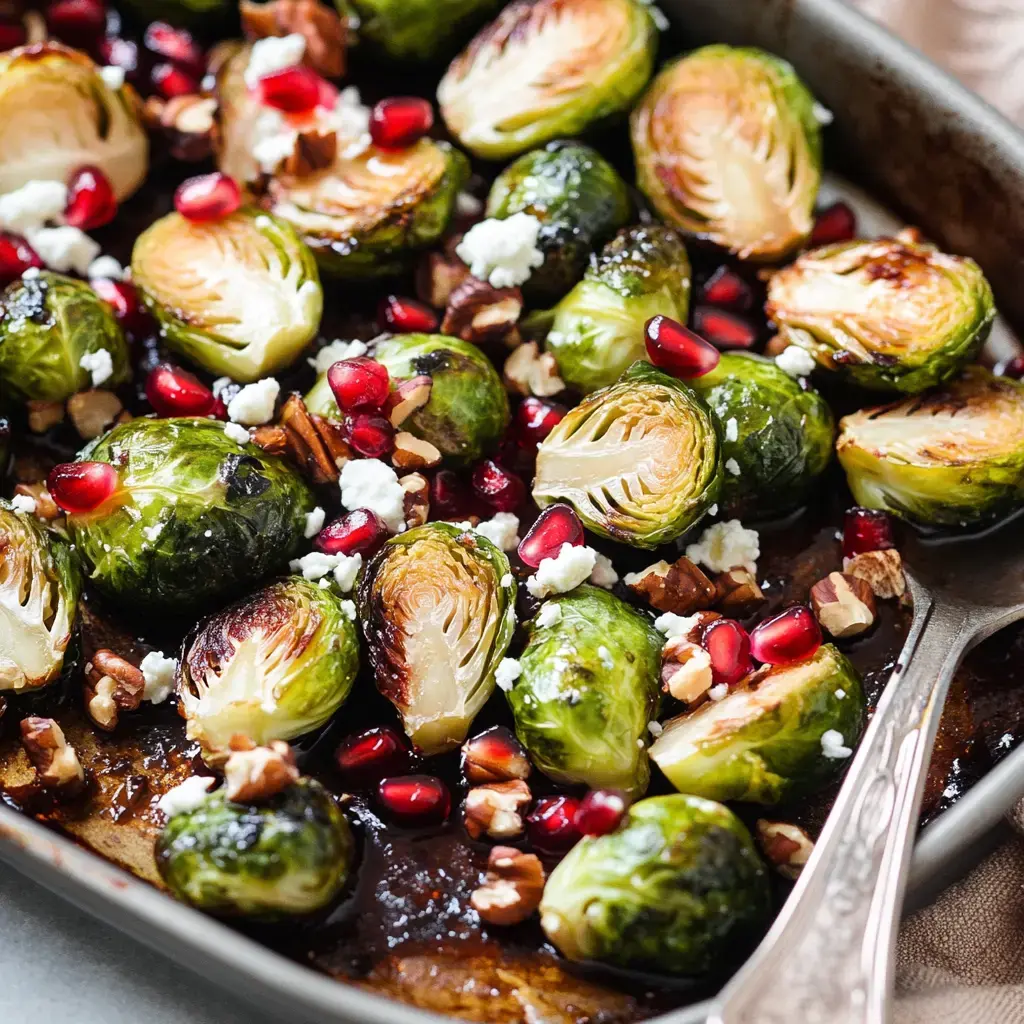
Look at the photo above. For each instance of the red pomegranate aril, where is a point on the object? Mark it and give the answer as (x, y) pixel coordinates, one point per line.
(555, 526)
(372, 436)
(12, 34)
(792, 635)
(415, 800)
(369, 756)
(295, 90)
(726, 288)
(728, 646)
(449, 498)
(1013, 368)
(16, 256)
(551, 827)
(407, 316)
(80, 487)
(207, 197)
(175, 45)
(497, 486)
(76, 22)
(400, 122)
(173, 391)
(170, 81)
(91, 199)
(677, 350)
(836, 223)
(535, 419)
(600, 812)
(866, 529)
(124, 299)
(726, 330)
(360, 532)
(359, 383)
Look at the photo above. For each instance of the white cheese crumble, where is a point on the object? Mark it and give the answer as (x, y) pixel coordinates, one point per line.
(158, 671)
(105, 266)
(502, 252)
(604, 574)
(152, 532)
(32, 205)
(655, 729)
(314, 522)
(713, 511)
(113, 76)
(63, 249)
(351, 119)
(672, 625)
(732, 429)
(23, 503)
(334, 353)
(550, 614)
(316, 565)
(254, 404)
(237, 433)
(840, 694)
(506, 580)
(834, 746)
(186, 796)
(99, 364)
(30, 274)
(372, 484)
(467, 205)
(507, 672)
(502, 530)
(724, 546)
(605, 657)
(348, 609)
(219, 385)
(275, 53)
(822, 114)
(733, 466)
(273, 141)
(719, 692)
(795, 361)
(568, 569)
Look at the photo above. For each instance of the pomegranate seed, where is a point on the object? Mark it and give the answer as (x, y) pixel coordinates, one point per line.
(497, 486)
(77, 22)
(359, 532)
(494, 756)
(121, 53)
(207, 197)
(175, 45)
(12, 34)
(678, 350)
(130, 312)
(372, 436)
(728, 645)
(407, 316)
(91, 200)
(600, 812)
(837, 223)
(415, 800)
(449, 498)
(1013, 368)
(79, 487)
(792, 635)
(866, 529)
(400, 122)
(359, 383)
(726, 330)
(551, 827)
(176, 392)
(16, 256)
(367, 757)
(171, 81)
(535, 419)
(555, 526)
(726, 288)
(295, 90)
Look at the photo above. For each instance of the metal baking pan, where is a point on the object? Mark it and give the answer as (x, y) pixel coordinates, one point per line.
(928, 150)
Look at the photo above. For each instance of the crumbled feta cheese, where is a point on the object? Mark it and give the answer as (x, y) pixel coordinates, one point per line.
(152, 532)
(840, 694)
(186, 796)
(32, 205)
(274, 53)
(105, 266)
(158, 671)
(317, 564)
(334, 353)
(502, 531)
(724, 546)
(272, 141)
(113, 76)
(822, 114)
(569, 568)
(467, 205)
(605, 657)
(348, 609)
(506, 580)
(237, 433)
(30, 274)
(732, 429)
(604, 574)
(673, 625)
(503, 252)
(640, 744)
(507, 672)
(719, 692)
(655, 729)
(351, 119)
(550, 614)
(834, 746)
(99, 364)
(254, 404)
(23, 503)
(315, 521)
(372, 484)
(795, 361)
(713, 511)
(63, 249)
(733, 467)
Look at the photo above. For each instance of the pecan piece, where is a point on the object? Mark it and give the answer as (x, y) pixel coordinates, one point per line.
(478, 312)
(54, 759)
(413, 453)
(316, 444)
(786, 847)
(437, 277)
(737, 593)
(43, 415)
(314, 151)
(187, 122)
(681, 588)
(881, 570)
(494, 756)
(512, 888)
(112, 685)
(496, 809)
(93, 411)
(843, 604)
(254, 774)
(325, 33)
(416, 503)
(529, 372)
(685, 670)
(407, 397)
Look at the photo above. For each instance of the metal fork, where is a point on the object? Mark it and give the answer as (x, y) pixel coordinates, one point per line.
(829, 957)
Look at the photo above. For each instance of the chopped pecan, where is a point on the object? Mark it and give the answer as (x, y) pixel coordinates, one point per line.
(437, 277)
(46, 507)
(494, 756)
(317, 444)
(844, 604)
(881, 570)
(786, 847)
(529, 372)
(325, 33)
(478, 312)
(314, 151)
(271, 438)
(407, 397)
(256, 774)
(737, 593)
(512, 889)
(681, 587)
(112, 685)
(54, 759)
(496, 809)
(187, 122)
(413, 453)
(685, 670)
(93, 411)
(43, 415)
(416, 504)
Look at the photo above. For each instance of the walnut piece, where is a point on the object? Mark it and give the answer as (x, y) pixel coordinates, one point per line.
(407, 397)
(843, 604)
(256, 774)
(112, 685)
(530, 373)
(494, 756)
(496, 809)
(737, 593)
(437, 277)
(882, 571)
(413, 453)
(786, 847)
(187, 122)
(325, 33)
(54, 759)
(512, 889)
(416, 504)
(685, 670)
(93, 411)
(681, 587)
(43, 415)
(478, 312)
(314, 151)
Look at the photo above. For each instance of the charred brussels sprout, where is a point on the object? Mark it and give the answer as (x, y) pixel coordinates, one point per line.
(274, 666)
(589, 686)
(239, 296)
(890, 315)
(764, 742)
(580, 201)
(438, 610)
(287, 857)
(48, 324)
(640, 461)
(39, 587)
(195, 518)
(544, 69)
(678, 889)
(951, 457)
(597, 330)
(779, 435)
(727, 147)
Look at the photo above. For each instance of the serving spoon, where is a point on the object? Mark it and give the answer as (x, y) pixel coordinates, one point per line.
(829, 957)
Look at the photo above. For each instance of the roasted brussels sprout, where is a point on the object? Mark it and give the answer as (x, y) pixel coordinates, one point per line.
(274, 666)
(546, 68)
(727, 147)
(239, 296)
(678, 889)
(438, 611)
(39, 587)
(951, 457)
(769, 739)
(639, 461)
(777, 435)
(597, 330)
(50, 326)
(58, 114)
(468, 409)
(888, 314)
(580, 201)
(289, 856)
(589, 686)
(195, 518)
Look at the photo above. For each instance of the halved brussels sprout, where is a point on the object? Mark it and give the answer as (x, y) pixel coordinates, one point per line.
(57, 114)
(239, 296)
(580, 201)
(40, 583)
(468, 409)
(951, 457)
(589, 687)
(196, 516)
(727, 147)
(764, 742)
(597, 331)
(777, 433)
(640, 461)
(678, 889)
(48, 324)
(545, 68)
(438, 611)
(890, 314)
(274, 666)
(289, 856)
